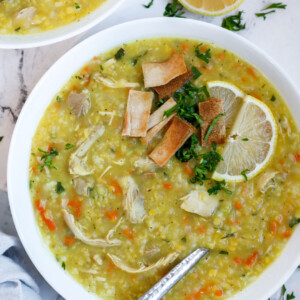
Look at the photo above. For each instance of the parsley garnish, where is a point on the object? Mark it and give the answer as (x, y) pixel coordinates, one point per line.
(120, 53)
(174, 9)
(196, 73)
(204, 56)
(149, 4)
(187, 99)
(187, 151)
(17, 29)
(212, 125)
(229, 235)
(63, 265)
(294, 221)
(69, 146)
(59, 188)
(244, 174)
(208, 164)
(234, 23)
(245, 140)
(273, 98)
(224, 252)
(101, 68)
(58, 98)
(183, 239)
(135, 59)
(1, 138)
(77, 6)
(290, 296)
(273, 7)
(47, 158)
(219, 186)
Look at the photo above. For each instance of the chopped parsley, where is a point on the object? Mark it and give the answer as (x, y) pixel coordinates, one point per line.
(187, 151)
(219, 186)
(120, 53)
(63, 265)
(294, 221)
(229, 235)
(59, 188)
(212, 125)
(204, 56)
(244, 174)
(17, 29)
(234, 23)
(224, 252)
(134, 60)
(183, 239)
(101, 68)
(149, 4)
(245, 139)
(290, 296)
(187, 99)
(47, 158)
(69, 146)
(272, 7)
(208, 164)
(77, 6)
(273, 98)
(174, 9)
(58, 98)
(1, 138)
(196, 73)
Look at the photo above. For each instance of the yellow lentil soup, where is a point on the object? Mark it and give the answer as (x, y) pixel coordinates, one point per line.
(75, 189)
(31, 16)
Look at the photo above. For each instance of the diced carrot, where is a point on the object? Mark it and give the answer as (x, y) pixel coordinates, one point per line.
(201, 229)
(237, 222)
(76, 204)
(244, 79)
(203, 48)
(188, 170)
(219, 293)
(39, 206)
(167, 185)
(173, 51)
(112, 215)
(221, 56)
(238, 205)
(252, 259)
(75, 88)
(110, 267)
(116, 186)
(50, 146)
(255, 95)
(238, 260)
(186, 220)
(273, 227)
(118, 154)
(297, 157)
(185, 47)
(286, 234)
(252, 72)
(88, 82)
(69, 241)
(95, 58)
(50, 224)
(86, 69)
(129, 233)
(33, 170)
(201, 292)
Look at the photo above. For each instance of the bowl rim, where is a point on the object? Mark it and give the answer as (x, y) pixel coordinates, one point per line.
(39, 39)
(272, 278)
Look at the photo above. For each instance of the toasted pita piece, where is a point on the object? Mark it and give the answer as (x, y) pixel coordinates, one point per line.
(137, 113)
(209, 110)
(158, 115)
(156, 129)
(160, 73)
(165, 91)
(176, 135)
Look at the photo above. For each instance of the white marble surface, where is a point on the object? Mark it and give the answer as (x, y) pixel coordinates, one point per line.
(278, 35)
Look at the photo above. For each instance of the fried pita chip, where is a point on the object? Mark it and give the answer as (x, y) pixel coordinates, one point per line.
(209, 111)
(137, 113)
(165, 91)
(176, 135)
(160, 73)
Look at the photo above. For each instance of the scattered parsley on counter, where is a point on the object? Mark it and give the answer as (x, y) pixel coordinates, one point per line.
(272, 7)
(149, 4)
(59, 188)
(120, 54)
(234, 23)
(47, 158)
(204, 56)
(1, 138)
(174, 9)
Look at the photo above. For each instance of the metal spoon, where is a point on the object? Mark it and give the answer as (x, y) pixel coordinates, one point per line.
(168, 281)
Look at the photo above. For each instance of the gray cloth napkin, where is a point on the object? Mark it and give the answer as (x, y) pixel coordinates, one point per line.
(19, 279)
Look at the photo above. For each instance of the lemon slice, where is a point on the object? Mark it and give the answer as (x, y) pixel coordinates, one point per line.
(211, 7)
(232, 98)
(250, 144)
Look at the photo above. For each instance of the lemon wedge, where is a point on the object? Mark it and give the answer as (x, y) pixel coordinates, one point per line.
(232, 98)
(211, 7)
(250, 144)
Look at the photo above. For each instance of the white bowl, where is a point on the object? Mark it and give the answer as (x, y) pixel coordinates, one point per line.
(19, 41)
(56, 77)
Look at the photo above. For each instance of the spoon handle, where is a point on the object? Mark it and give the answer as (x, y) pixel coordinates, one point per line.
(168, 281)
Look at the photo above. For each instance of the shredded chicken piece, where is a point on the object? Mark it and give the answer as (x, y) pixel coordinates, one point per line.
(268, 180)
(24, 17)
(81, 186)
(200, 202)
(105, 171)
(76, 230)
(160, 263)
(145, 164)
(77, 162)
(133, 200)
(80, 103)
(114, 84)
